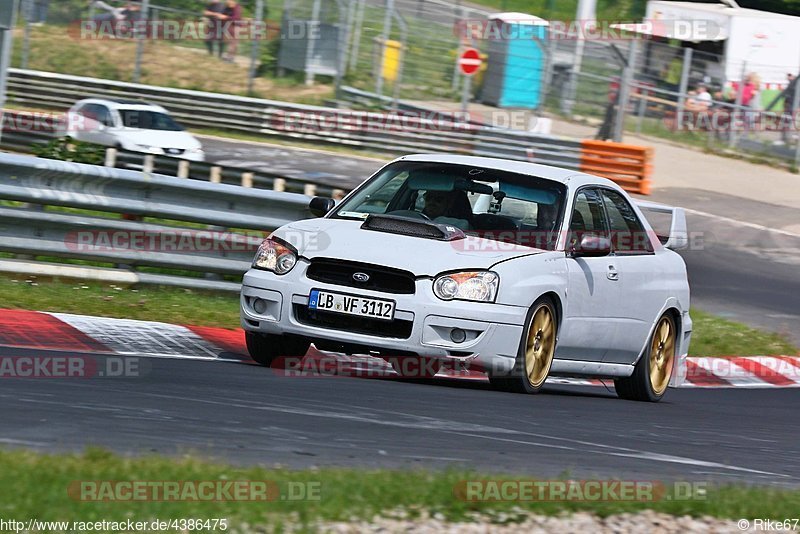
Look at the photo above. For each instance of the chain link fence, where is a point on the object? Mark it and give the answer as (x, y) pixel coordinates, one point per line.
(405, 51)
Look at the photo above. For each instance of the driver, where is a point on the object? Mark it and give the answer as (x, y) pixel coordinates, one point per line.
(448, 207)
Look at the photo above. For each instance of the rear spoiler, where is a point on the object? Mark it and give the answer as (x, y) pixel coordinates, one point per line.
(678, 238)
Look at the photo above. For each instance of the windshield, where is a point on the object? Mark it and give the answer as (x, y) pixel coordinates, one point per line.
(489, 203)
(148, 120)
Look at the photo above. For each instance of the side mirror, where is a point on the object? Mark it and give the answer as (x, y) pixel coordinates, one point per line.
(319, 206)
(591, 246)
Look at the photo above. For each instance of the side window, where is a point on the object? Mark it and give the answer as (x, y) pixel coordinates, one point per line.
(588, 216)
(89, 111)
(104, 116)
(627, 232)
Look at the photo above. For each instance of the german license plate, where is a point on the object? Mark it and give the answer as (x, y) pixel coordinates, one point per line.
(351, 305)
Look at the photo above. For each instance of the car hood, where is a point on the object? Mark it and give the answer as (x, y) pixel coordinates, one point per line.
(346, 240)
(159, 138)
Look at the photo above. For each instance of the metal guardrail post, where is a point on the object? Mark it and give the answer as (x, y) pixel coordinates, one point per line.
(255, 46)
(387, 31)
(625, 91)
(734, 138)
(215, 177)
(312, 40)
(684, 85)
(310, 190)
(279, 184)
(142, 34)
(247, 179)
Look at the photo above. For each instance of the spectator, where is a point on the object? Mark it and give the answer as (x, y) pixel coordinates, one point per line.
(39, 15)
(700, 100)
(751, 98)
(232, 16)
(214, 27)
(112, 13)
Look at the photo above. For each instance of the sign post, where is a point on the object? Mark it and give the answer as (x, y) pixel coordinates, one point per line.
(468, 63)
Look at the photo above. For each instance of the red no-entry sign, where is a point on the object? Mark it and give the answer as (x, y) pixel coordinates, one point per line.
(469, 62)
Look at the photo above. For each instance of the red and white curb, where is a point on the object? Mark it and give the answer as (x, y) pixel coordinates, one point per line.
(82, 333)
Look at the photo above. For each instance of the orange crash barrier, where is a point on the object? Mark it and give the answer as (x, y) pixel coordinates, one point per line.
(630, 166)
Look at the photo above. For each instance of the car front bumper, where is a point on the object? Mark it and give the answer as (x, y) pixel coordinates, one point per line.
(493, 331)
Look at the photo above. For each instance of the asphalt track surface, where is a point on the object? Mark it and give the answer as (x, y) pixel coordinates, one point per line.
(246, 414)
(740, 272)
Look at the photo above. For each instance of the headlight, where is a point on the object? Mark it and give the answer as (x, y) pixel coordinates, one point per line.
(198, 150)
(480, 286)
(275, 256)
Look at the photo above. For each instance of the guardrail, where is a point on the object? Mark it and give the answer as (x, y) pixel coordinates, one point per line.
(393, 133)
(205, 245)
(22, 140)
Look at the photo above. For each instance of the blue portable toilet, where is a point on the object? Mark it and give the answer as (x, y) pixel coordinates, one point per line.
(516, 63)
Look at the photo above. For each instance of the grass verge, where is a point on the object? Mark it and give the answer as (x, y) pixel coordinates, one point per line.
(712, 336)
(41, 484)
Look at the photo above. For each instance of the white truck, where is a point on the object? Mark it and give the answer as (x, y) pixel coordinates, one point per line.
(728, 40)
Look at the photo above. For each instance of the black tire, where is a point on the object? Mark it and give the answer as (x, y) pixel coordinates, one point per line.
(518, 380)
(639, 386)
(266, 348)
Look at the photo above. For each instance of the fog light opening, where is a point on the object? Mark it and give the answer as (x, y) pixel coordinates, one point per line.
(260, 306)
(457, 335)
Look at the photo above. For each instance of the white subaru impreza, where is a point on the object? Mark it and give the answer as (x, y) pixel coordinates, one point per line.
(518, 270)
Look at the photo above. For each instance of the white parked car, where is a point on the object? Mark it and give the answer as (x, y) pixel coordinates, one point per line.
(519, 270)
(131, 125)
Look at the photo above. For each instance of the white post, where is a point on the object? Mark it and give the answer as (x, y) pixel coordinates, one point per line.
(310, 190)
(279, 184)
(111, 157)
(149, 163)
(247, 179)
(183, 168)
(216, 175)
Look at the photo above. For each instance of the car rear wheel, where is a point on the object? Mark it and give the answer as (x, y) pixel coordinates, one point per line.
(653, 371)
(535, 354)
(267, 348)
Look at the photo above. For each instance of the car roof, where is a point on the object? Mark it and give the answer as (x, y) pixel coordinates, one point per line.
(568, 177)
(123, 104)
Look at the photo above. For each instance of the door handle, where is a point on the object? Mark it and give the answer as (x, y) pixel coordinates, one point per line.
(612, 274)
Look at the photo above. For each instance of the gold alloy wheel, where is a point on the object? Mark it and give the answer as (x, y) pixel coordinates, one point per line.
(662, 353)
(540, 345)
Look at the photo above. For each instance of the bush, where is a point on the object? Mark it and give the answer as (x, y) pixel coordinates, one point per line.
(70, 150)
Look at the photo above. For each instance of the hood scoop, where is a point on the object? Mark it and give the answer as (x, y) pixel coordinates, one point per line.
(393, 224)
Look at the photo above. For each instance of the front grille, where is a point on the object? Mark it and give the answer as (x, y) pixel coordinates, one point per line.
(397, 328)
(340, 273)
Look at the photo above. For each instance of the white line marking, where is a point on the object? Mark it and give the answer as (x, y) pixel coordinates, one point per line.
(741, 223)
